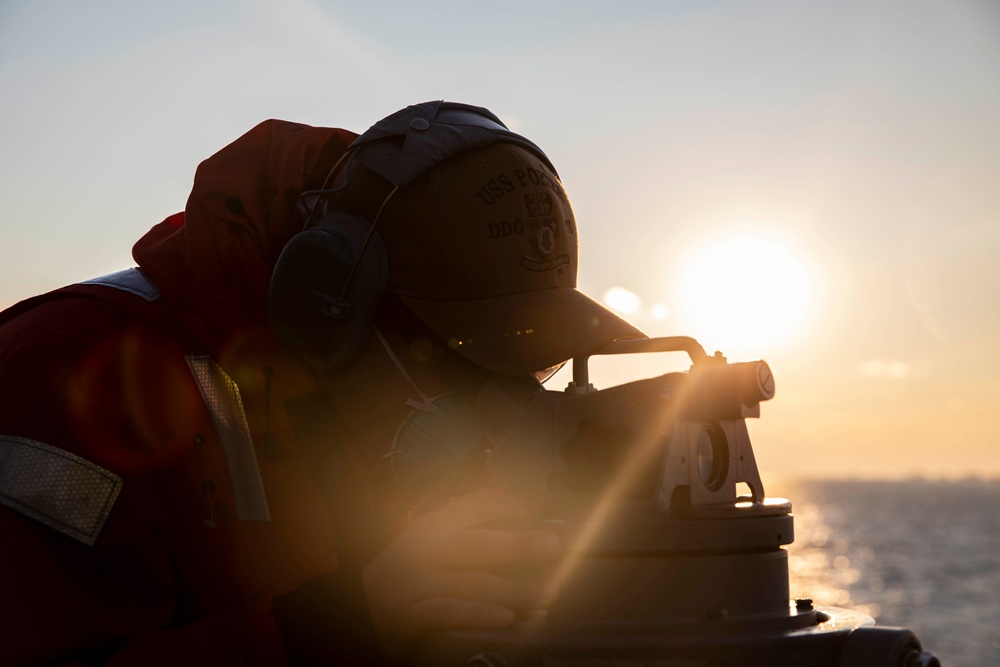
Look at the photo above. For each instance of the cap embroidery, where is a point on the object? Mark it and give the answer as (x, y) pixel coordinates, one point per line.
(543, 235)
(494, 189)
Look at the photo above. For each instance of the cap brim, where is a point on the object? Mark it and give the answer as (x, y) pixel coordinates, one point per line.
(525, 332)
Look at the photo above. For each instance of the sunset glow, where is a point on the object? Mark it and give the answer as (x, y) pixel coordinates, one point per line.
(745, 292)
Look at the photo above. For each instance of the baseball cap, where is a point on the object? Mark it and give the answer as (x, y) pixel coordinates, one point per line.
(483, 249)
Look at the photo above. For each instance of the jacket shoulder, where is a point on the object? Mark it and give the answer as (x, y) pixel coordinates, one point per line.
(98, 372)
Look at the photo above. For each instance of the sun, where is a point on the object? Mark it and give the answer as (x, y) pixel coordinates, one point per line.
(744, 293)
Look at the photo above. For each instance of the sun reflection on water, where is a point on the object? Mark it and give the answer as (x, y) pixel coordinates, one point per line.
(821, 567)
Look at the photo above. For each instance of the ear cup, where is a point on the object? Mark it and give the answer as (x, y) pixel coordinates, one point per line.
(307, 306)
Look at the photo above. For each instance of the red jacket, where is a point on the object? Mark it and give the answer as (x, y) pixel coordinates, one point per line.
(176, 576)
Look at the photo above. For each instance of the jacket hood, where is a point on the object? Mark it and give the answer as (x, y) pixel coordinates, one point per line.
(213, 262)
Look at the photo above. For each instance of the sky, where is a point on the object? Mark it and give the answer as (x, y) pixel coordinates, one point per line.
(816, 184)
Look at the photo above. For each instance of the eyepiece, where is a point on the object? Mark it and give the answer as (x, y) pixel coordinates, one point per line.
(754, 381)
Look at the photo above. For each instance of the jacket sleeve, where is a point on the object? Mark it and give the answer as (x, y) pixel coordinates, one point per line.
(113, 603)
(64, 382)
(327, 620)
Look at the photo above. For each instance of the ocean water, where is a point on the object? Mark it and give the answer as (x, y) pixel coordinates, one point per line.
(919, 554)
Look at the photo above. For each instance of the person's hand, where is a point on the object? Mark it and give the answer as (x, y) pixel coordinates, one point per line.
(443, 571)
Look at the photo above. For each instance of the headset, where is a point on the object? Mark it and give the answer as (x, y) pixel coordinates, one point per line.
(329, 278)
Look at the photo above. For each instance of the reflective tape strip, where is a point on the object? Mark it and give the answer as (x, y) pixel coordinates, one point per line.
(131, 280)
(222, 397)
(62, 490)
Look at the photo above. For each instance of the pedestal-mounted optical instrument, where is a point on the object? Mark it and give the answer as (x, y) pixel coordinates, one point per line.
(665, 563)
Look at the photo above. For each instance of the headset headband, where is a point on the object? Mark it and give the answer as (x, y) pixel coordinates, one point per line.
(431, 132)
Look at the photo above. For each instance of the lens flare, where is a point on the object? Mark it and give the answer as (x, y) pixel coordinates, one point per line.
(622, 300)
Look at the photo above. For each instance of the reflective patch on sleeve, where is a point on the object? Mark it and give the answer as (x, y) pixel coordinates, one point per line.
(222, 397)
(131, 280)
(57, 488)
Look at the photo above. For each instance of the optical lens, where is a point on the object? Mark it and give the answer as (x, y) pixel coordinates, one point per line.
(713, 456)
